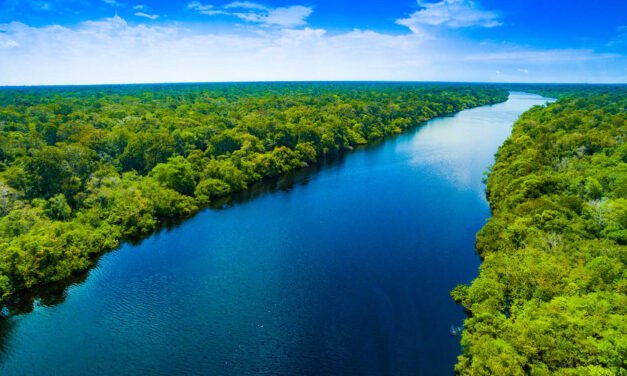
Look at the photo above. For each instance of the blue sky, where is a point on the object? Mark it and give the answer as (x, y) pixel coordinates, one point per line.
(134, 41)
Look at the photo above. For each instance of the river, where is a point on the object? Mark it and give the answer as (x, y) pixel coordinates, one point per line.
(341, 269)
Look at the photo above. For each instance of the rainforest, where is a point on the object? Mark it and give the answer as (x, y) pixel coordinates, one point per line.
(83, 170)
(551, 296)
(313, 188)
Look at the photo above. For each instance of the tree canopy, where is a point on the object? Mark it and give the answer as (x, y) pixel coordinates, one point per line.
(551, 296)
(82, 168)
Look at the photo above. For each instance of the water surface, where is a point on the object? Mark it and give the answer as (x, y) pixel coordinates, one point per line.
(345, 272)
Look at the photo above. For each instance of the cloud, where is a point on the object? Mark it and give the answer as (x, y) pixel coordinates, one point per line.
(199, 7)
(150, 16)
(6, 42)
(450, 13)
(286, 17)
(139, 6)
(246, 5)
(112, 3)
(111, 50)
(539, 56)
(522, 70)
(206, 9)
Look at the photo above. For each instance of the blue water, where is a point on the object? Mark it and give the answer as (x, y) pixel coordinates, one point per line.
(343, 270)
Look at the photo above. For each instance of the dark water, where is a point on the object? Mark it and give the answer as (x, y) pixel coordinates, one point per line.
(347, 272)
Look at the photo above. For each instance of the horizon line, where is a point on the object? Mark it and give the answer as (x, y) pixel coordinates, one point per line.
(306, 81)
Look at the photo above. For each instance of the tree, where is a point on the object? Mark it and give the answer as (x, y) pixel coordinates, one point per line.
(58, 208)
(177, 174)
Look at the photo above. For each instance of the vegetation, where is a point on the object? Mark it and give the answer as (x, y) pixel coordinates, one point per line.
(551, 296)
(563, 91)
(83, 168)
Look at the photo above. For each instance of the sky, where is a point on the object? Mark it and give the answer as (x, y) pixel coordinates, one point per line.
(53, 42)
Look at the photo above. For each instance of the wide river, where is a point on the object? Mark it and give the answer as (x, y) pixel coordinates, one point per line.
(342, 269)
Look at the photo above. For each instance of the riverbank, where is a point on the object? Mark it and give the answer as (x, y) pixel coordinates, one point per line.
(347, 270)
(85, 170)
(551, 293)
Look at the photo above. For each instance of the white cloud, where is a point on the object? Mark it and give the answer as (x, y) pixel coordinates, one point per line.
(214, 12)
(450, 13)
(285, 16)
(522, 70)
(5, 42)
(539, 56)
(139, 6)
(150, 16)
(199, 7)
(112, 51)
(206, 9)
(256, 13)
(245, 5)
(112, 2)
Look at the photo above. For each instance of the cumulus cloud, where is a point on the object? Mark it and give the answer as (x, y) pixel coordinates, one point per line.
(522, 70)
(149, 16)
(450, 13)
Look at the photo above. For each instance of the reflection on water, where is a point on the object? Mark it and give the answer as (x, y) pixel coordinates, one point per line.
(458, 146)
(343, 269)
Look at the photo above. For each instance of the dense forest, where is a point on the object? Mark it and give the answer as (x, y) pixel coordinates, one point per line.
(551, 296)
(83, 168)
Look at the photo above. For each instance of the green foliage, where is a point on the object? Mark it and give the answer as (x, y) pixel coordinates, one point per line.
(82, 168)
(211, 187)
(551, 296)
(176, 174)
(58, 208)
